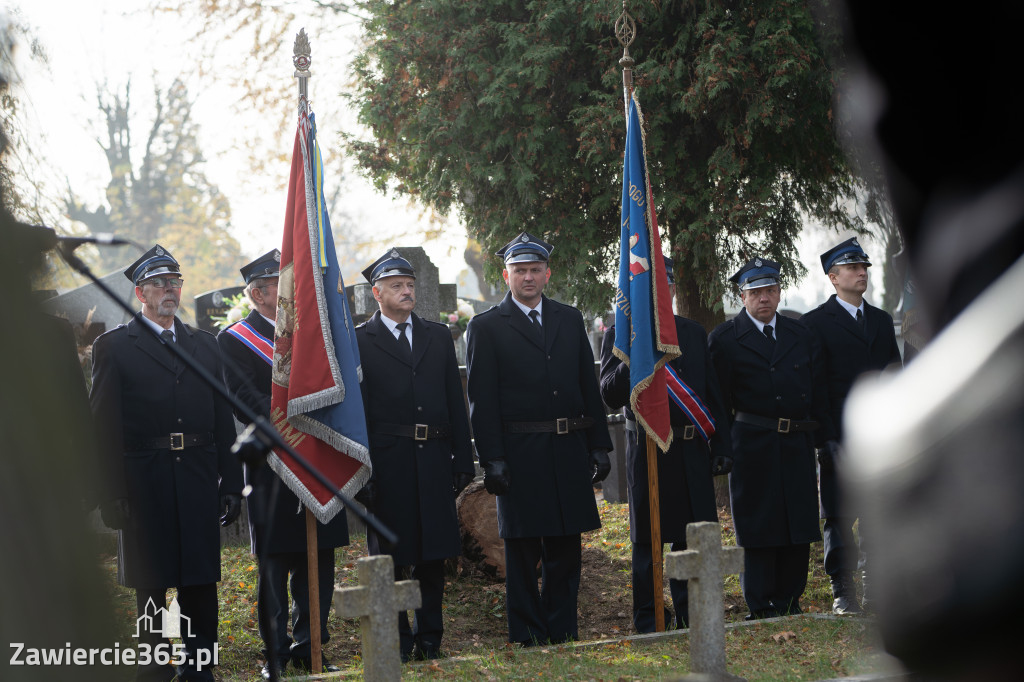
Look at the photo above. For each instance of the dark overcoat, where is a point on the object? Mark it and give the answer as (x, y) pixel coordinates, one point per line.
(277, 522)
(140, 392)
(415, 494)
(848, 351)
(514, 377)
(685, 483)
(773, 484)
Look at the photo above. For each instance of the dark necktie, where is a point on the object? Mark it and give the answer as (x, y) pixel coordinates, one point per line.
(168, 336)
(403, 340)
(537, 326)
(768, 332)
(860, 318)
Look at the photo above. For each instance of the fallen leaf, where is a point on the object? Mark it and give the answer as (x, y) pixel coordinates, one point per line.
(783, 637)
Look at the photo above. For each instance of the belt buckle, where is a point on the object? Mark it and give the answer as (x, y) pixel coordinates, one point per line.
(688, 432)
(783, 425)
(177, 441)
(562, 426)
(420, 432)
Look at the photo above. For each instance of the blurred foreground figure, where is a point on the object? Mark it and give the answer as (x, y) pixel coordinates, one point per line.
(939, 475)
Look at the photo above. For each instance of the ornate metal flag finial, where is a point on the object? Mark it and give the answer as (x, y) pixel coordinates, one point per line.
(302, 58)
(625, 31)
(302, 54)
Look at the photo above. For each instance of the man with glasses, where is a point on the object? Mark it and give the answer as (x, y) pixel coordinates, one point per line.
(165, 456)
(277, 522)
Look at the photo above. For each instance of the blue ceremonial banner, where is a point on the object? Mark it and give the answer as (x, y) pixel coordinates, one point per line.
(316, 404)
(642, 303)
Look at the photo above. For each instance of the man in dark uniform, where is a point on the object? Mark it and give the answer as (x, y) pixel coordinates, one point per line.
(277, 521)
(166, 441)
(855, 337)
(419, 443)
(542, 438)
(770, 371)
(685, 472)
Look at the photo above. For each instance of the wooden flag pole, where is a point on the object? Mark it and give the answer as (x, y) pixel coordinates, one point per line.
(302, 59)
(656, 548)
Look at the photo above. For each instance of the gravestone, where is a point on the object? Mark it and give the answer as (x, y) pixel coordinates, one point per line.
(376, 602)
(705, 564)
(213, 304)
(614, 487)
(76, 305)
(432, 297)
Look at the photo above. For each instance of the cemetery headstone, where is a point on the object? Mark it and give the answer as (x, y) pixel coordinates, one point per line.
(705, 563)
(432, 297)
(214, 304)
(376, 602)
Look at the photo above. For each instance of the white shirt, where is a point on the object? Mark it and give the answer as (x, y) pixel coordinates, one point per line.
(527, 309)
(850, 308)
(760, 325)
(393, 327)
(157, 328)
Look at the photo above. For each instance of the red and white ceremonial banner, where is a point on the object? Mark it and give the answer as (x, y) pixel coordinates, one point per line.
(316, 404)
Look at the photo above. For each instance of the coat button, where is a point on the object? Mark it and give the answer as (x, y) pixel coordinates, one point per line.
(778, 397)
(177, 459)
(796, 366)
(420, 445)
(555, 392)
(179, 420)
(772, 369)
(419, 408)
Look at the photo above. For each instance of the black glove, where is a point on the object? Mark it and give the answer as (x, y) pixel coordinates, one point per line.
(601, 465)
(116, 513)
(496, 476)
(231, 503)
(828, 455)
(460, 480)
(721, 465)
(367, 496)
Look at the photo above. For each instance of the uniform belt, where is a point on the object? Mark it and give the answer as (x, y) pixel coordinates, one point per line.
(560, 426)
(414, 431)
(780, 424)
(684, 432)
(172, 441)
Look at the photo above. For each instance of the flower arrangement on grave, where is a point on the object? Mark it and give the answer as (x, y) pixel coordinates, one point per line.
(238, 310)
(460, 317)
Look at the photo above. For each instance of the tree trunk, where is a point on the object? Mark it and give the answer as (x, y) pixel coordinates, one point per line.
(478, 519)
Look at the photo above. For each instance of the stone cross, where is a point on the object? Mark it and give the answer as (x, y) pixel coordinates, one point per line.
(376, 602)
(705, 564)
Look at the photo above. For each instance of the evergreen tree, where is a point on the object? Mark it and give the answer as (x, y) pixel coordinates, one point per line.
(511, 113)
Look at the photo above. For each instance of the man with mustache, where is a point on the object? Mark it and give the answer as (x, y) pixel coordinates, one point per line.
(855, 337)
(165, 450)
(770, 371)
(419, 443)
(542, 438)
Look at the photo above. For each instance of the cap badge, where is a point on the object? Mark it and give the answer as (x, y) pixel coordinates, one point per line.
(277, 257)
(855, 242)
(395, 254)
(757, 262)
(524, 239)
(159, 251)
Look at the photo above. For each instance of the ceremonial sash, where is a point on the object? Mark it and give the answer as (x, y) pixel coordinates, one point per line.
(690, 403)
(257, 343)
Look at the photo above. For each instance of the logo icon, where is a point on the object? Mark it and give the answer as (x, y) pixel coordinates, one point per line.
(165, 622)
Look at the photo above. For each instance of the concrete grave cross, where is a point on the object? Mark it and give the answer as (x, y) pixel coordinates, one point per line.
(705, 564)
(376, 602)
